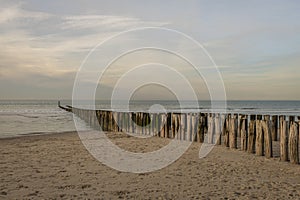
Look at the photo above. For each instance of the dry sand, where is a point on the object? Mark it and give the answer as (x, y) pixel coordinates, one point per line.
(58, 166)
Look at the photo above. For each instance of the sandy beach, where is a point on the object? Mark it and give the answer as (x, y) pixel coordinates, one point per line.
(57, 166)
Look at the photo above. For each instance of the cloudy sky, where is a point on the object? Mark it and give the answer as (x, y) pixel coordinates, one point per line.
(255, 44)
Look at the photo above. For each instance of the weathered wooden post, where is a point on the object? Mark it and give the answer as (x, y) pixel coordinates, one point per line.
(130, 124)
(226, 130)
(168, 125)
(210, 128)
(97, 118)
(252, 134)
(147, 126)
(238, 120)
(104, 120)
(275, 128)
(267, 132)
(111, 118)
(195, 121)
(138, 123)
(151, 123)
(283, 139)
(133, 123)
(115, 122)
(222, 128)
(176, 125)
(217, 129)
(182, 126)
(294, 142)
(120, 117)
(118, 121)
(124, 124)
(158, 124)
(154, 124)
(244, 132)
(173, 125)
(259, 150)
(188, 127)
(142, 123)
(128, 121)
(89, 117)
(233, 133)
(143, 120)
(108, 120)
(95, 123)
(162, 125)
(201, 127)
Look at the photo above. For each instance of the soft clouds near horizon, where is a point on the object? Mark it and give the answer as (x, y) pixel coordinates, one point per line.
(255, 44)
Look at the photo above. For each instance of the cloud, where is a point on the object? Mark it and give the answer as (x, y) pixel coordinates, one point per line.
(105, 21)
(47, 55)
(15, 12)
(92, 21)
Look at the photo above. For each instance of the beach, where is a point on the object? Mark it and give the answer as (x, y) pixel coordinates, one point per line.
(57, 166)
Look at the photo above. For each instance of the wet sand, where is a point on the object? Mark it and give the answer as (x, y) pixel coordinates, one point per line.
(57, 166)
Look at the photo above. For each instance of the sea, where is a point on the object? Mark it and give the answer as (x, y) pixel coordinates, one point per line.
(23, 117)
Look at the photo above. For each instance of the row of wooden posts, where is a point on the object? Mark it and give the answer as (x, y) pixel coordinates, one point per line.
(254, 134)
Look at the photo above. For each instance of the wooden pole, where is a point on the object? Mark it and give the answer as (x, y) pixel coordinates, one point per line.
(252, 134)
(294, 143)
(223, 128)
(162, 122)
(195, 121)
(177, 126)
(111, 121)
(148, 124)
(201, 126)
(238, 125)
(244, 133)
(275, 128)
(267, 136)
(173, 125)
(217, 129)
(140, 123)
(155, 124)
(233, 133)
(188, 127)
(145, 127)
(104, 120)
(144, 131)
(283, 139)
(124, 126)
(182, 126)
(151, 124)
(259, 150)
(97, 118)
(227, 130)
(130, 124)
(210, 122)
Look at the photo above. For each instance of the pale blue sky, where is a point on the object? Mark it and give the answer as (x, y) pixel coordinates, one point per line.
(256, 44)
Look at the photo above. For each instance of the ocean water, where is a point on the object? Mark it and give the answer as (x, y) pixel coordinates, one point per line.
(19, 117)
(38, 117)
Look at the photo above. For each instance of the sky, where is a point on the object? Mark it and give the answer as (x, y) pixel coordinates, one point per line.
(255, 45)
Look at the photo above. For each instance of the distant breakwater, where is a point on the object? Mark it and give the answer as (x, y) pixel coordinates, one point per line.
(262, 135)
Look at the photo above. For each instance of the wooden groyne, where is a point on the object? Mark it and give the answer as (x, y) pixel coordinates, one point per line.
(262, 135)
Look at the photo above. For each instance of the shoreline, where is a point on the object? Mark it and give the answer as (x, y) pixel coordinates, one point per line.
(57, 165)
(32, 134)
